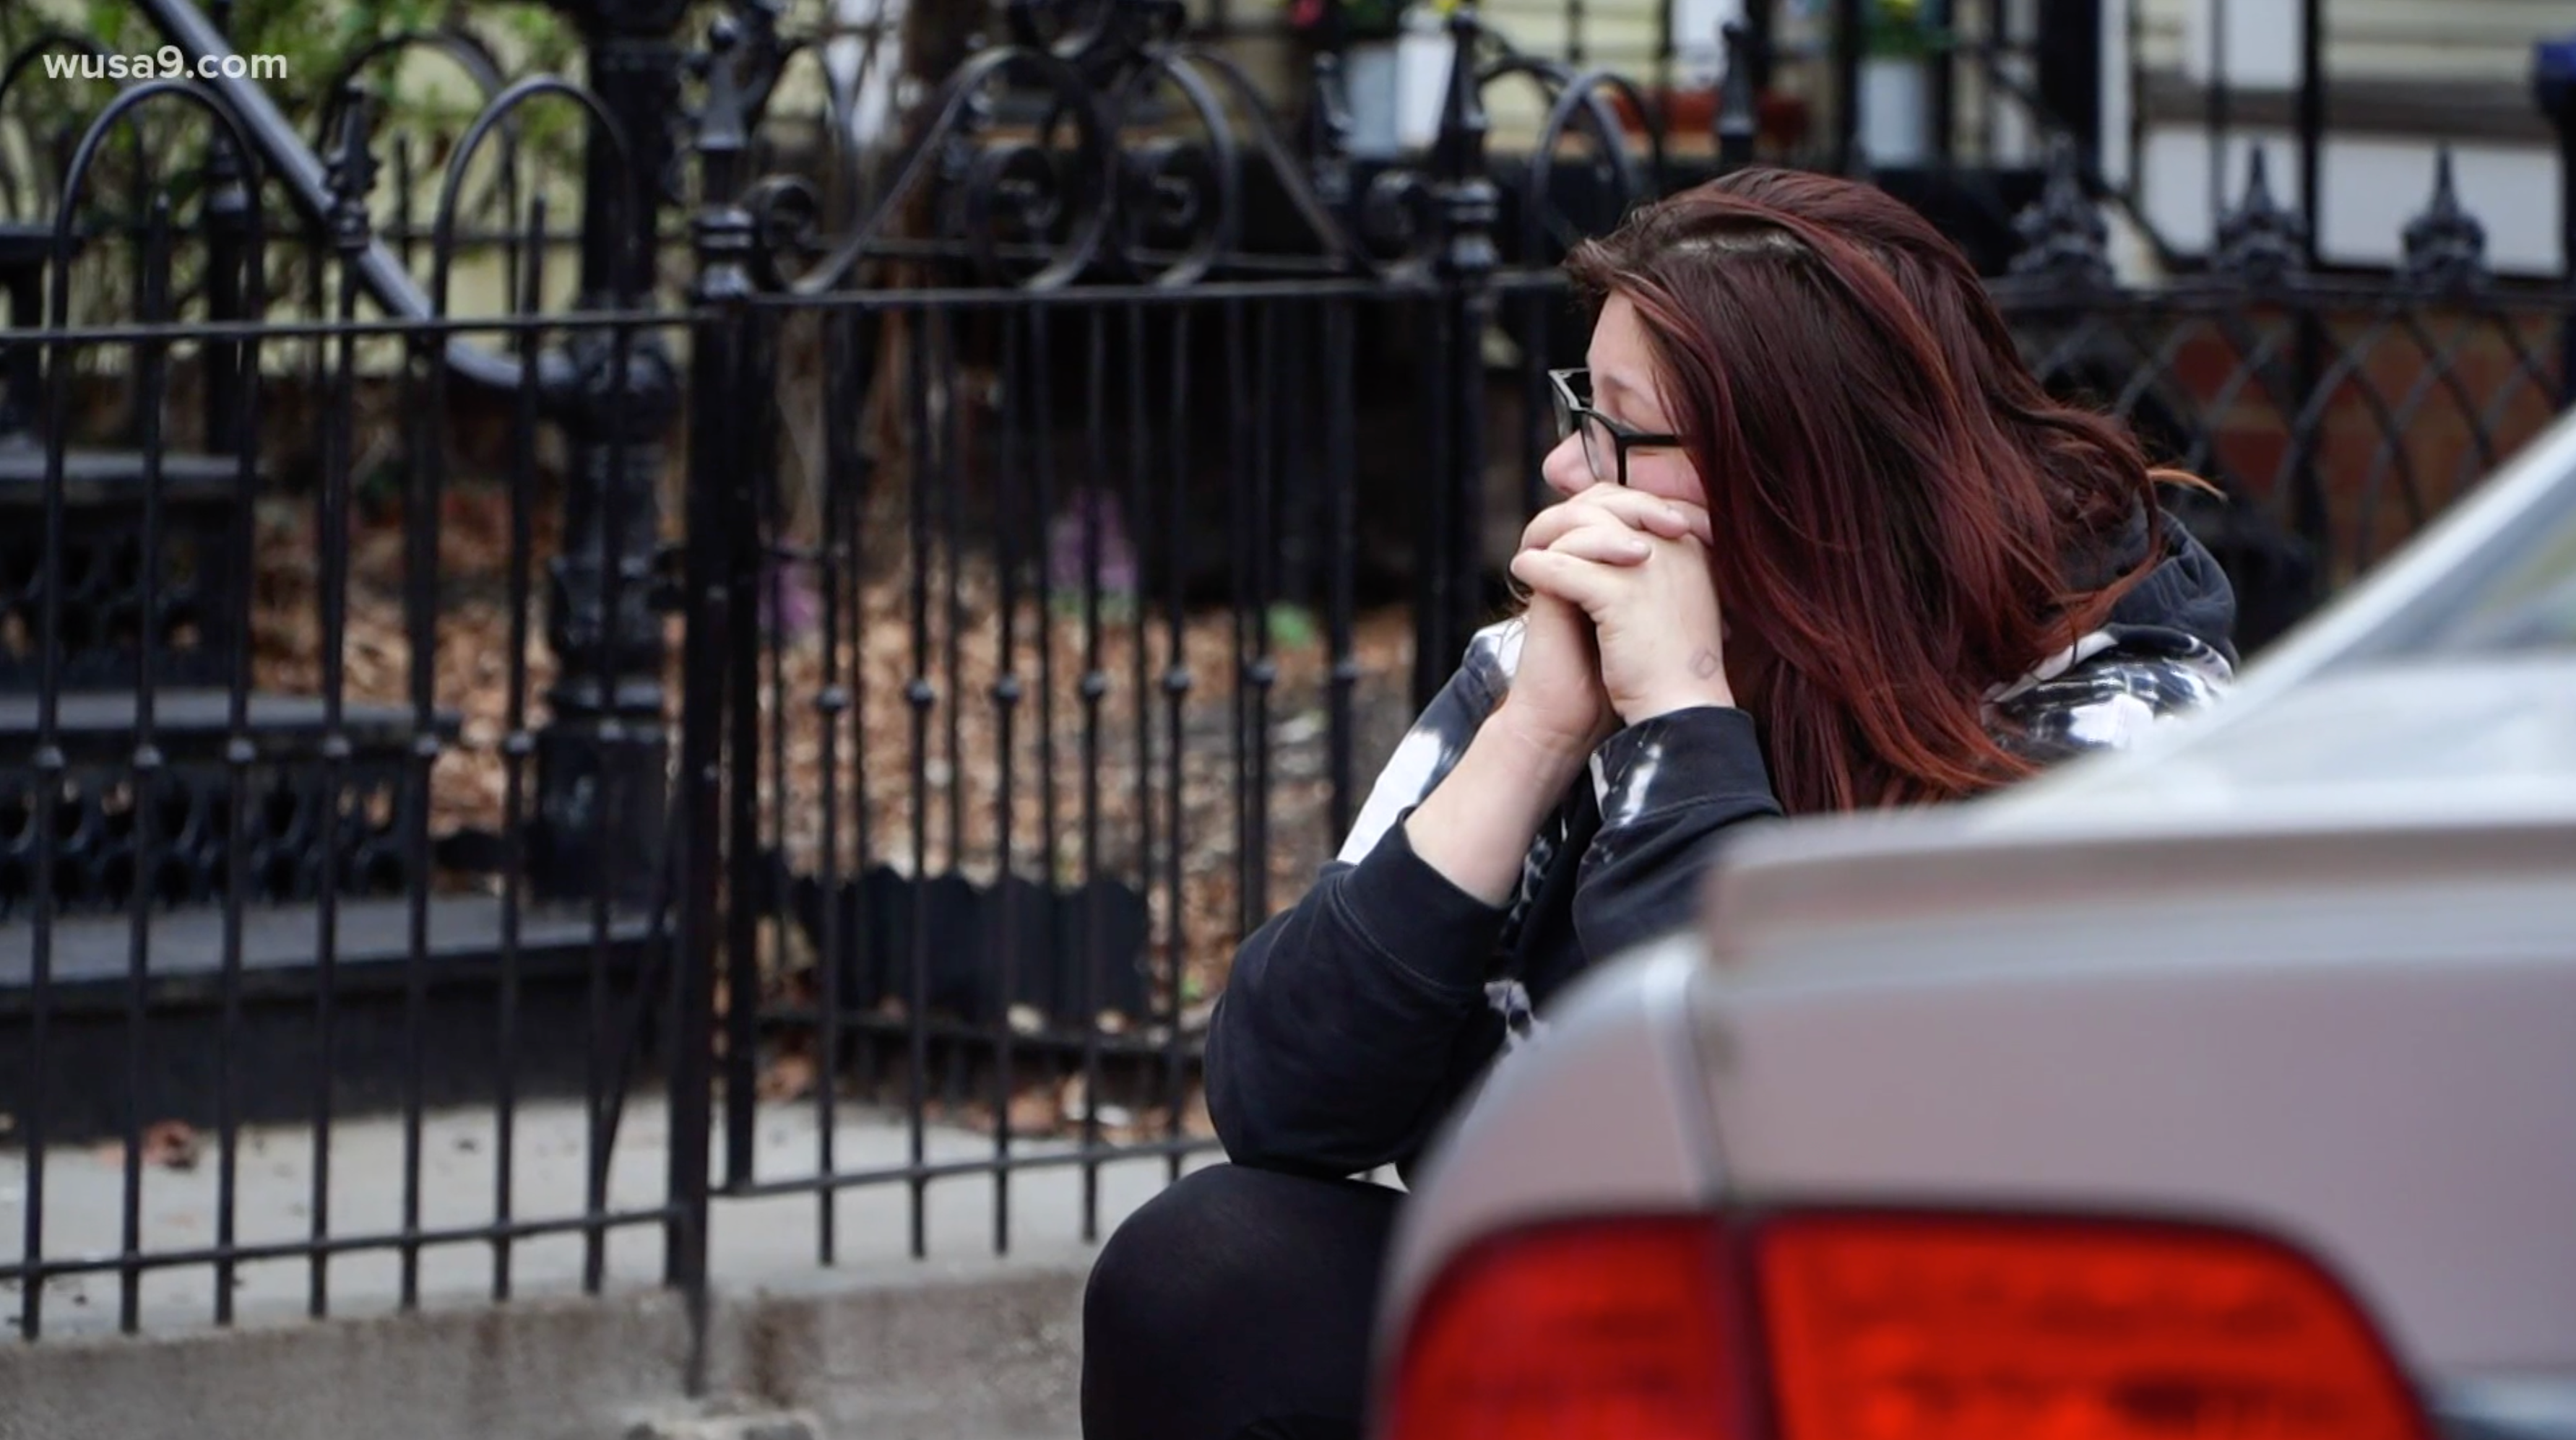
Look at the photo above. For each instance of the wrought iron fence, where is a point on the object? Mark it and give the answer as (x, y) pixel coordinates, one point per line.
(242, 754)
(813, 739)
(2336, 414)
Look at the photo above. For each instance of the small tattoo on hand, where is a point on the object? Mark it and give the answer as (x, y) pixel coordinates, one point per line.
(1707, 665)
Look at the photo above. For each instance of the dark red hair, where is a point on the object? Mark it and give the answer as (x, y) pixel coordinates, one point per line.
(1905, 518)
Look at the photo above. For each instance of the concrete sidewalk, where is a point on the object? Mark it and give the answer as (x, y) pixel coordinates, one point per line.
(962, 1344)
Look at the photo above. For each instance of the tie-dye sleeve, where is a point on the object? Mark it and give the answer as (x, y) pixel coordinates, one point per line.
(1439, 735)
(1668, 787)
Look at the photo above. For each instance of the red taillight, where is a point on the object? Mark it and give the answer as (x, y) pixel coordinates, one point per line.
(1558, 1333)
(1888, 1326)
(1921, 1327)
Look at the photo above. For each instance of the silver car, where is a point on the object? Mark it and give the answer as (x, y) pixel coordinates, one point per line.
(2222, 1087)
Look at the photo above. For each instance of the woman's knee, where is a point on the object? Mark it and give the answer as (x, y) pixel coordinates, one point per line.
(1226, 1239)
(1236, 1296)
(1162, 1263)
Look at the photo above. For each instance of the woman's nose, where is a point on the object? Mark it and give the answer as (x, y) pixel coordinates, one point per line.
(1565, 469)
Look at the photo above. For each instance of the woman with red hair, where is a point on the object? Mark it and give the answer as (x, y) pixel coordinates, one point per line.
(1824, 544)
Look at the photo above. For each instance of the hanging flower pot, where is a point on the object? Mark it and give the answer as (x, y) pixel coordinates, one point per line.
(1345, 22)
(1895, 110)
(1898, 50)
(1397, 83)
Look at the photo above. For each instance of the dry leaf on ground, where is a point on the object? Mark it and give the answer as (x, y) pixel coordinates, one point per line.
(787, 1077)
(1242, 749)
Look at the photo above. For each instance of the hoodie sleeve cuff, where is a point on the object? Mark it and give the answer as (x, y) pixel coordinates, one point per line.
(1418, 919)
(1687, 757)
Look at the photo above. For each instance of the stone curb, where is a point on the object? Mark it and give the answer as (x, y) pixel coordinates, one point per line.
(979, 1350)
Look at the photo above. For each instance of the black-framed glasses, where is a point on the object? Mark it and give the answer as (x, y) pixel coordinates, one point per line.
(1606, 442)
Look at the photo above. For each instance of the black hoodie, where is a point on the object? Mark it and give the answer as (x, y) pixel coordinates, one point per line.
(1356, 1018)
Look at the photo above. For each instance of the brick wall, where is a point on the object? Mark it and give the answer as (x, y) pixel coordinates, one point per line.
(2417, 406)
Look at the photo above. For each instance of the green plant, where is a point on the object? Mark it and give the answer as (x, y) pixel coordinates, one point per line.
(1898, 30)
(1293, 627)
(1350, 20)
(421, 97)
(420, 104)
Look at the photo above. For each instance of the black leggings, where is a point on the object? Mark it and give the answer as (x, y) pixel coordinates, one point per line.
(1236, 1306)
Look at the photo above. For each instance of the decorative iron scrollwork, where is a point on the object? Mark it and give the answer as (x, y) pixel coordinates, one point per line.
(1010, 207)
(1398, 214)
(1100, 144)
(1585, 104)
(101, 593)
(950, 167)
(785, 219)
(181, 822)
(1104, 39)
(1170, 200)
(1132, 166)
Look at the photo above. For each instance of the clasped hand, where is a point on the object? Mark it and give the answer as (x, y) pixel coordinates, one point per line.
(1623, 621)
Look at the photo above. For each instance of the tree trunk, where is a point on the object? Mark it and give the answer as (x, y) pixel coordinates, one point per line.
(938, 36)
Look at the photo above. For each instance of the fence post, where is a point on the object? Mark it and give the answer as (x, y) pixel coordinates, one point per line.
(1739, 118)
(723, 233)
(2311, 108)
(228, 226)
(1850, 41)
(2315, 507)
(1328, 135)
(600, 762)
(2067, 66)
(2264, 249)
(2217, 104)
(746, 63)
(1761, 27)
(2553, 84)
(1467, 208)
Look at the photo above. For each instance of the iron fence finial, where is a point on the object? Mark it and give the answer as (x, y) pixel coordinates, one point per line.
(1467, 206)
(1464, 126)
(2259, 242)
(740, 68)
(1105, 39)
(2065, 242)
(2446, 247)
(350, 173)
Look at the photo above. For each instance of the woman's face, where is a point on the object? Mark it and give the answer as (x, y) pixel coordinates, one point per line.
(1624, 390)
